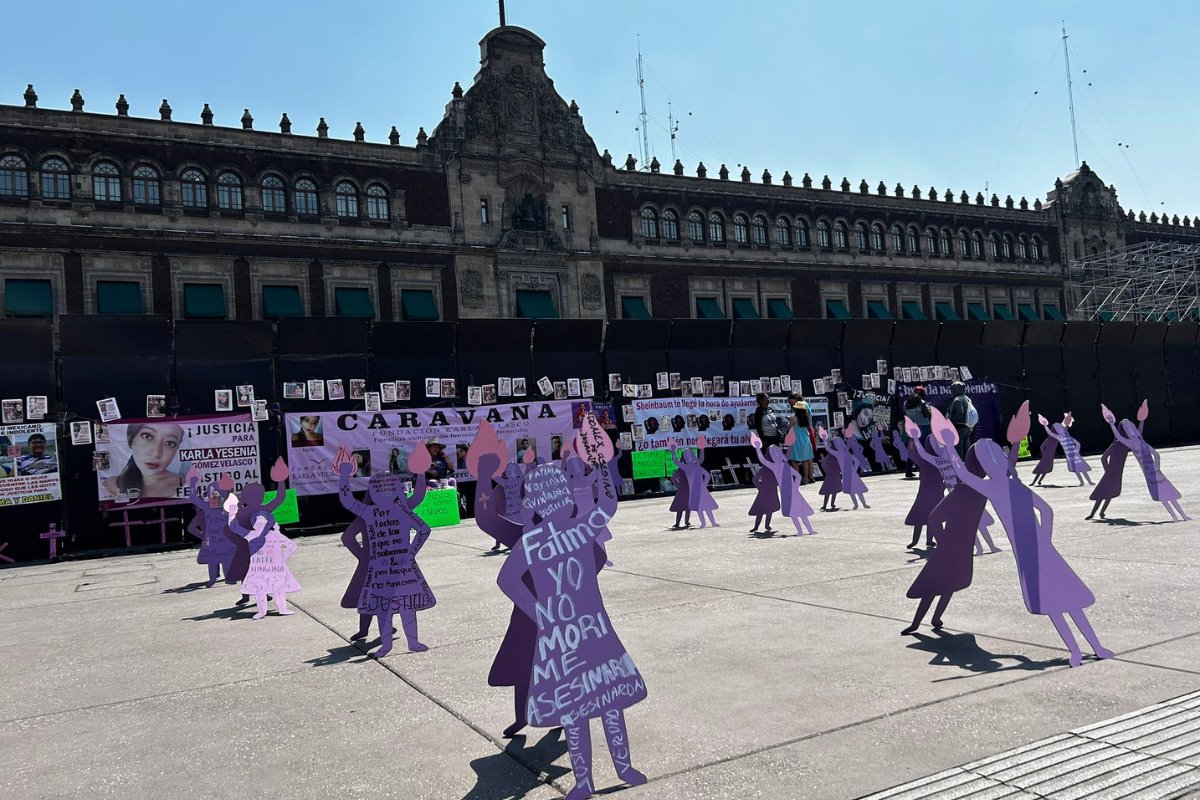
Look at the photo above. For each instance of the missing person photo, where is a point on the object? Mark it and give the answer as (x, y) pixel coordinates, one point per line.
(588, 387)
(545, 386)
(433, 387)
(449, 388)
(560, 390)
(12, 411)
(489, 394)
(518, 387)
(108, 409)
(358, 388)
(101, 461)
(334, 389)
(573, 387)
(223, 400)
(307, 432)
(474, 395)
(258, 411)
(293, 390)
(101, 432)
(403, 391)
(81, 432)
(614, 381)
(36, 406)
(156, 405)
(387, 392)
(372, 401)
(245, 395)
(362, 463)
(504, 387)
(316, 389)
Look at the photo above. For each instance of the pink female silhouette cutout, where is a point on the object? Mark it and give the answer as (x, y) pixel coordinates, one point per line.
(1045, 463)
(1108, 488)
(881, 456)
(551, 577)
(393, 582)
(954, 522)
(766, 481)
(700, 499)
(216, 549)
(831, 468)
(268, 573)
(1048, 584)
(1070, 446)
(791, 502)
(852, 483)
(1148, 459)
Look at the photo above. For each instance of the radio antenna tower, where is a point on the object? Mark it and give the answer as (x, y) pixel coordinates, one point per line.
(1070, 95)
(646, 154)
(674, 128)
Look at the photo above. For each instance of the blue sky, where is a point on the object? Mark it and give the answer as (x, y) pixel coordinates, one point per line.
(958, 95)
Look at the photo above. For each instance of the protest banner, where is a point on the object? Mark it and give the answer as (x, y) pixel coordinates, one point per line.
(383, 440)
(439, 508)
(29, 471)
(721, 419)
(147, 460)
(985, 396)
(288, 511)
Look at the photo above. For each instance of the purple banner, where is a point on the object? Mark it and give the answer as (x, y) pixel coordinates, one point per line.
(985, 396)
(382, 441)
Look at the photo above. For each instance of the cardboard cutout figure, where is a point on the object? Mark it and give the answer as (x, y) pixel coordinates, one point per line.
(791, 502)
(953, 522)
(831, 468)
(268, 573)
(216, 549)
(1108, 488)
(700, 499)
(497, 487)
(393, 582)
(679, 503)
(766, 480)
(850, 464)
(900, 445)
(1070, 446)
(858, 457)
(1149, 460)
(587, 482)
(930, 490)
(250, 505)
(1045, 464)
(551, 577)
(1048, 584)
(881, 456)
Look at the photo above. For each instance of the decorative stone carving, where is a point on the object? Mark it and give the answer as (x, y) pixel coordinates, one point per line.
(593, 296)
(472, 289)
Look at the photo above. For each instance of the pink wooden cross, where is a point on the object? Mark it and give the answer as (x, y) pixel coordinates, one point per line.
(161, 522)
(54, 534)
(4, 557)
(126, 524)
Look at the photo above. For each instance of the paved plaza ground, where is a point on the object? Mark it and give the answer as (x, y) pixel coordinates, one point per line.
(775, 667)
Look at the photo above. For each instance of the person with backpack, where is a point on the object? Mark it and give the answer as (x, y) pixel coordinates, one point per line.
(963, 414)
(763, 421)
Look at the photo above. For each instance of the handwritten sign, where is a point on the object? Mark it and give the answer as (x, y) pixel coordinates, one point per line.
(439, 508)
(288, 511)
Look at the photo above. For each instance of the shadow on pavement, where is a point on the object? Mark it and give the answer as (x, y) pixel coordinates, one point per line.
(340, 655)
(962, 651)
(191, 587)
(496, 778)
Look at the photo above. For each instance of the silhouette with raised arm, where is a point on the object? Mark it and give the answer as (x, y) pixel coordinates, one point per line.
(1070, 446)
(216, 549)
(831, 468)
(766, 481)
(1108, 488)
(1148, 459)
(700, 499)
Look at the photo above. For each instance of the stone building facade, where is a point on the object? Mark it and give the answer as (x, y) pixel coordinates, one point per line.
(507, 209)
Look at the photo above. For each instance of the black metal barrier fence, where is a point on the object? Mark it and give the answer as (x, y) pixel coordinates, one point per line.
(1057, 366)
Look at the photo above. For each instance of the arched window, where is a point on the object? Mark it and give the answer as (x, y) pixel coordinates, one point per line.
(931, 242)
(306, 198)
(897, 237)
(877, 237)
(801, 233)
(56, 179)
(346, 196)
(716, 228)
(758, 230)
(696, 227)
(914, 241)
(1022, 247)
(741, 229)
(229, 192)
(649, 223)
(823, 234)
(14, 177)
(670, 225)
(977, 245)
(1006, 246)
(944, 243)
(1035, 249)
(783, 232)
(839, 235)
(378, 207)
(193, 189)
(146, 187)
(274, 199)
(106, 183)
(994, 245)
(964, 244)
(860, 236)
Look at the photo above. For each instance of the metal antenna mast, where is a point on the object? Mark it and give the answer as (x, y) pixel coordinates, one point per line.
(1070, 94)
(674, 126)
(646, 156)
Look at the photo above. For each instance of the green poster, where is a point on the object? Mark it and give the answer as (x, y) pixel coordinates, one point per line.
(649, 463)
(439, 508)
(1023, 451)
(289, 510)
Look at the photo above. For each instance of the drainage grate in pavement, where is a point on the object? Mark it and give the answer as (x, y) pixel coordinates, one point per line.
(1150, 753)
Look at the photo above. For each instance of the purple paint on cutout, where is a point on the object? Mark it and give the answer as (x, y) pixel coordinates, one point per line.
(699, 498)
(551, 577)
(1046, 452)
(216, 549)
(766, 481)
(831, 468)
(930, 490)
(1070, 446)
(1149, 460)
(1112, 461)
(852, 484)
(497, 487)
(881, 456)
(1048, 584)
(267, 572)
(901, 447)
(788, 481)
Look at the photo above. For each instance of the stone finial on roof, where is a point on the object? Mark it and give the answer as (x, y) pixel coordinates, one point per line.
(745, 174)
(655, 166)
(394, 136)
(606, 158)
(456, 92)
(1058, 184)
(766, 177)
(422, 137)
(285, 124)
(630, 162)
(787, 178)
(898, 191)
(1037, 204)
(995, 201)
(77, 101)
(949, 196)
(164, 111)
(828, 184)
(863, 188)
(932, 193)
(1187, 223)
(122, 106)
(916, 192)
(1175, 220)
(979, 198)
(806, 181)
(322, 129)
(678, 168)
(360, 135)
(574, 108)
(1141, 216)
(881, 189)
(30, 97)
(1024, 204)
(206, 115)
(723, 173)
(701, 170)
(1008, 201)
(247, 120)
(1130, 216)
(1153, 218)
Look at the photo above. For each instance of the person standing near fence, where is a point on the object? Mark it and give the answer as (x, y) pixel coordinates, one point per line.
(800, 454)
(766, 423)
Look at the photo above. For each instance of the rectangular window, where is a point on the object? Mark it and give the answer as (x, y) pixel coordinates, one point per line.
(977, 311)
(566, 218)
(203, 301)
(28, 298)
(911, 309)
(634, 307)
(1002, 311)
(708, 308)
(484, 216)
(535, 304)
(418, 304)
(945, 310)
(743, 308)
(353, 301)
(281, 301)
(1027, 311)
(119, 297)
(836, 309)
(778, 308)
(877, 309)
(1052, 312)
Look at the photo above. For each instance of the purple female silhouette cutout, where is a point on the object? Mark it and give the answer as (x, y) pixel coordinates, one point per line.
(831, 468)
(766, 480)
(939, 459)
(699, 499)
(850, 464)
(1045, 463)
(791, 502)
(881, 456)
(392, 582)
(1070, 446)
(251, 505)
(954, 522)
(1108, 488)
(268, 573)
(551, 577)
(217, 549)
(679, 503)
(930, 490)
(586, 487)
(1148, 459)
(901, 447)
(1048, 584)
(857, 456)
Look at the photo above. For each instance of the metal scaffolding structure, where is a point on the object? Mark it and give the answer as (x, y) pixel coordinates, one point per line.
(1149, 281)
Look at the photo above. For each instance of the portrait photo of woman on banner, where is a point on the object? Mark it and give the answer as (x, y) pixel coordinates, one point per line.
(144, 461)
